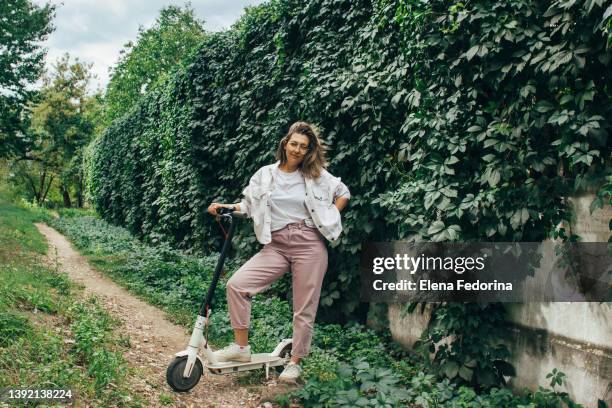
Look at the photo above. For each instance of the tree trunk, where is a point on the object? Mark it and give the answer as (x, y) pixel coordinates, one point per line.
(39, 195)
(33, 187)
(44, 196)
(79, 193)
(80, 199)
(65, 196)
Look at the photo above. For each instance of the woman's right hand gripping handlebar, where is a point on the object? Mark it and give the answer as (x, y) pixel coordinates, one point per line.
(214, 207)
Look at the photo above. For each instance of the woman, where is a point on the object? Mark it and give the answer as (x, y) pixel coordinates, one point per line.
(294, 203)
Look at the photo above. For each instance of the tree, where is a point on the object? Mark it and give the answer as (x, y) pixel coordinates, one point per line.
(61, 126)
(157, 52)
(23, 26)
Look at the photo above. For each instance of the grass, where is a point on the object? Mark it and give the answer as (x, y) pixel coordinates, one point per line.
(18, 231)
(166, 399)
(49, 335)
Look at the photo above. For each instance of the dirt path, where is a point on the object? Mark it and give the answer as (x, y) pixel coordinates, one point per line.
(153, 339)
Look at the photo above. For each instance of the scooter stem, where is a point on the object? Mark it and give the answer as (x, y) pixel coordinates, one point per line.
(207, 304)
(197, 337)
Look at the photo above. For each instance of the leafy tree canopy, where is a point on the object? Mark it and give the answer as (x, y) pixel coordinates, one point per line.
(157, 51)
(61, 125)
(23, 25)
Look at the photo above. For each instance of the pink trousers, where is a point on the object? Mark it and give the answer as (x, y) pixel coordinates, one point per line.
(297, 248)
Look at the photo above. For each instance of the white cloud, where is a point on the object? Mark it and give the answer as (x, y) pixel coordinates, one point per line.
(96, 30)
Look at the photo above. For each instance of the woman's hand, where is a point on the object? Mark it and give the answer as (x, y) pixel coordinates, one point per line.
(212, 209)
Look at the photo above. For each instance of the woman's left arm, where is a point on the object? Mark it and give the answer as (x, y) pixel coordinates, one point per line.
(341, 195)
(341, 202)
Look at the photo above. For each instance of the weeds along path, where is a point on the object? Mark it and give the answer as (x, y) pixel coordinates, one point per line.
(153, 339)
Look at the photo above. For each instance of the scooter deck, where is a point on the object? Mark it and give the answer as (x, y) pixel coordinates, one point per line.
(259, 360)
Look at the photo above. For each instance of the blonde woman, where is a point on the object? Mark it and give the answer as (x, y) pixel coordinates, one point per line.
(295, 204)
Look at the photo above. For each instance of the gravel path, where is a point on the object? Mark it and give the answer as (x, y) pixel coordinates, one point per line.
(153, 339)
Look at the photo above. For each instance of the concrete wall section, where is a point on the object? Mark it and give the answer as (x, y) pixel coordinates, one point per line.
(537, 352)
(537, 348)
(590, 227)
(585, 322)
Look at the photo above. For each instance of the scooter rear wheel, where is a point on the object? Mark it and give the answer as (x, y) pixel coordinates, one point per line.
(174, 374)
(285, 353)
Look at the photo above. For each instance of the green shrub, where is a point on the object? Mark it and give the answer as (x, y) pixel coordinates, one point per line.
(271, 322)
(550, 397)
(12, 327)
(356, 341)
(353, 386)
(76, 212)
(360, 384)
(322, 365)
(479, 358)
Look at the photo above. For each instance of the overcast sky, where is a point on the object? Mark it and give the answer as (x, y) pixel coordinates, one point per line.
(96, 30)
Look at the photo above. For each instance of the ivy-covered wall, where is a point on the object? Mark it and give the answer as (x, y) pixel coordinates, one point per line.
(447, 120)
(509, 114)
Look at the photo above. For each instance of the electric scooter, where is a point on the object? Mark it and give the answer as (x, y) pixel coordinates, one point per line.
(185, 370)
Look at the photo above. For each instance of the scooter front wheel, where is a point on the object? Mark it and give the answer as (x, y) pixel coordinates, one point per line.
(174, 374)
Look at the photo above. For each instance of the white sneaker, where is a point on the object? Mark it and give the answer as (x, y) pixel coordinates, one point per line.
(291, 373)
(234, 352)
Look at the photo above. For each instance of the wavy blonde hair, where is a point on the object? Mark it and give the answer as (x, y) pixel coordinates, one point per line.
(315, 159)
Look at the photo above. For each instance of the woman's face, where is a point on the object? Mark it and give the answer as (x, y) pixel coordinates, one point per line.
(296, 148)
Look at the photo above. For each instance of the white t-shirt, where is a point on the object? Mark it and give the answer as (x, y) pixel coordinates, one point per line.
(287, 199)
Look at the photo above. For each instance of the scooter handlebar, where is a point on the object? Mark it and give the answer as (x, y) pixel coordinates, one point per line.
(230, 212)
(224, 210)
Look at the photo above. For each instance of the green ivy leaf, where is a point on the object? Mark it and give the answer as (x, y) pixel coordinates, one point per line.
(471, 52)
(436, 227)
(493, 177)
(488, 157)
(544, 106)
(450, 369)
(466, 373)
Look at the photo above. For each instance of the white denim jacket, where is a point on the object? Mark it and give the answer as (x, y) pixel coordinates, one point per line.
(320, 196)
